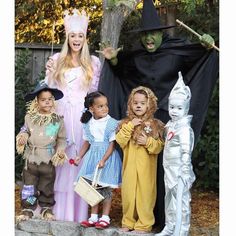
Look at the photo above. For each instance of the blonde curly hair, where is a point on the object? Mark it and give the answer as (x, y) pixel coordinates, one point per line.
(157, 127)
(65, 62)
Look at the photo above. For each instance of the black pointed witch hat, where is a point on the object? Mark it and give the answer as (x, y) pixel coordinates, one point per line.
(150, 19)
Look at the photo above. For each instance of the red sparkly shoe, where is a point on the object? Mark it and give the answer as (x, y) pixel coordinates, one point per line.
(88, 223)
(102, 224)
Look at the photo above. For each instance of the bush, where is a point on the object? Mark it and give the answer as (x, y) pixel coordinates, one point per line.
(22, 86)
(206, 154)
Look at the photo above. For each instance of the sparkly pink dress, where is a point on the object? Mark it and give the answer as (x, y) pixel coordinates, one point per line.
(69, 206)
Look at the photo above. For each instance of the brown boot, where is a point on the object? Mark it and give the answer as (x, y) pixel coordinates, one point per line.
(26, 214)
(47, 214)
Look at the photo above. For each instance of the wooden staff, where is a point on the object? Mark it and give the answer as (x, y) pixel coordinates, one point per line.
(194, 32)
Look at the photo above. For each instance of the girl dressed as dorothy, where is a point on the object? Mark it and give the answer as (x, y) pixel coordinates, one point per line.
(99, 149)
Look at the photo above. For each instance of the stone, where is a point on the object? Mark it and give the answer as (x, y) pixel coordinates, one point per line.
(36, 227)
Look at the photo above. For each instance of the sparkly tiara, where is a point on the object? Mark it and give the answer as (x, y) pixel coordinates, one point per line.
(77, 22)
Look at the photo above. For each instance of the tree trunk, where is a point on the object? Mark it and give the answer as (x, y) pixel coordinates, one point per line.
(112, 22)
(170, 18)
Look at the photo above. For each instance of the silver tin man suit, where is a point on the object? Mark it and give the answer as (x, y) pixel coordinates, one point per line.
(178, 172)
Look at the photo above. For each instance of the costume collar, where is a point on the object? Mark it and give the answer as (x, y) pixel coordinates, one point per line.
(102, 119)
(43, 119)
(186, 120)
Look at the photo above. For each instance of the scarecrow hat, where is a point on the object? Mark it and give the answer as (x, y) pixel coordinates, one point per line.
(150, 19)
(42, 86)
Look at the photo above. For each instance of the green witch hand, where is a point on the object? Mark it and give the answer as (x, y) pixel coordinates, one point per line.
(109, 52)
(207, 41)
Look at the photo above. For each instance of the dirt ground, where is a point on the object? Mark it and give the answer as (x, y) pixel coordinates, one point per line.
(205, 208)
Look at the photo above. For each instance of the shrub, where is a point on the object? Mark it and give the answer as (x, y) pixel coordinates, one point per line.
(206, 154)
(22, 86)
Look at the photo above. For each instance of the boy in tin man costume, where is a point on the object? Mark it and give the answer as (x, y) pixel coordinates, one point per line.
(178, 171)
(42, 142)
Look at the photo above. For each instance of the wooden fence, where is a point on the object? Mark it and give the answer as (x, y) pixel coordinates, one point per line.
(39, 54)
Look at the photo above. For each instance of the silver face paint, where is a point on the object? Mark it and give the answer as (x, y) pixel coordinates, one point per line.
(177, 108)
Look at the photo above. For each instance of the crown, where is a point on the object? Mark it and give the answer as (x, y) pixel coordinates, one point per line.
(77, 22)
(180, 90)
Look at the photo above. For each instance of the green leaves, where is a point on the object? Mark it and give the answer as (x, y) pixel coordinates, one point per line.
(22, 86)
(206, 153)
(34, 19)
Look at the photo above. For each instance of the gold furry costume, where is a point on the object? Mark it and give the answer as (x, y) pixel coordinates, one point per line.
(140, 164)
(45, 138)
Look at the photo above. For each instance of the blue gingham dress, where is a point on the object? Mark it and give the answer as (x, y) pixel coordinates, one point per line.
(111, 172)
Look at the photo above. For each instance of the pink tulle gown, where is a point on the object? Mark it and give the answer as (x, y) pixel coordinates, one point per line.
(69, 206)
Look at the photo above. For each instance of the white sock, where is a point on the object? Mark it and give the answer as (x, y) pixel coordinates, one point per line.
(94, 217)
(105, 218)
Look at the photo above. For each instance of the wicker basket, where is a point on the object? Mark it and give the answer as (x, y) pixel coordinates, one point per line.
(89, 190)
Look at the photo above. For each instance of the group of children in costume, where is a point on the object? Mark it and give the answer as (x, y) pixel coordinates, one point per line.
(52, 136)
(140, 136)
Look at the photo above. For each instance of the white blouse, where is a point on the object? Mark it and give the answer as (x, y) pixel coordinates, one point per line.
(97, 129)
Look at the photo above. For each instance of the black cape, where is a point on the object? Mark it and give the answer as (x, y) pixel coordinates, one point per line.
(159, 72)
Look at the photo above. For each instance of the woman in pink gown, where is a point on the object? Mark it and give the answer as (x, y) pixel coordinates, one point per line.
(76, 73)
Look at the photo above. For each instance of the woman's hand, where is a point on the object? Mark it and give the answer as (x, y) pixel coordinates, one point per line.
(50, 65)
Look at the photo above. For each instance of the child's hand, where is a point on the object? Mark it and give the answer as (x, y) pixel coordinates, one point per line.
(77, 160)
(136, 121)
(185, 178)
(142, 139)
(61, 153)
(22, 140)
(101, 164)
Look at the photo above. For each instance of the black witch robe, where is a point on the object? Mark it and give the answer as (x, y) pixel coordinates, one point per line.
(159, 71)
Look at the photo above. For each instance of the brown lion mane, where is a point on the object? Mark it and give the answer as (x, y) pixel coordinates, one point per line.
(148, 119)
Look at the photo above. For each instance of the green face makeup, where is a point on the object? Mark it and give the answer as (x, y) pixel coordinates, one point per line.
(151, 40)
